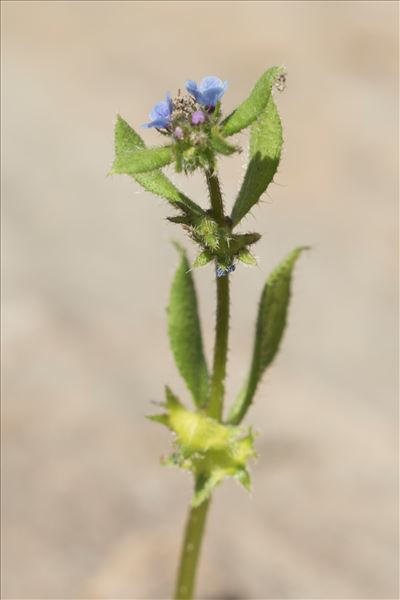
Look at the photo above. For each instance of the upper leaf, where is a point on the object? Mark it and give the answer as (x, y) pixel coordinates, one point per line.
(185, 332)
(211, 450)
(252, 107)
(271, 321)
(127, 141)
(141, 161)
(265, 152)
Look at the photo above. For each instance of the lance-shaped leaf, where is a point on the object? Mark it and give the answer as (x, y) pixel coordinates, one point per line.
(185, 332)
(128, 141)
(252, 107)
(271, 321)
(265, 152)
(211, 450)
(141, 161)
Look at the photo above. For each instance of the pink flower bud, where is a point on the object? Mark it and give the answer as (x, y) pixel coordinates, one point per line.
(178, 133)
(198, 117)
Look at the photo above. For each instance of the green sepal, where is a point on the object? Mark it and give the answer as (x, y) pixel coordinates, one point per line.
(246, 257)
(203, 259)
(180, 220)
(270, 325)
(265, 152)
(252, 107)
(219, 143)
(241, 240)
(163, 419)
(185, 332)
(211, 450)
(207, 232)
(128, 141)
(217, 112)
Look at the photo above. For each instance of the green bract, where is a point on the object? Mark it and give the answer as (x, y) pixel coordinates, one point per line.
(211, 450)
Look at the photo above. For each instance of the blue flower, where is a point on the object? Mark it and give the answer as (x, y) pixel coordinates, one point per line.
(161, 114)
(210, 90)
(223, 272)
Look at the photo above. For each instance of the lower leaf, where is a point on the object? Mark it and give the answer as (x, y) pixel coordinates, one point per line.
(271, 322)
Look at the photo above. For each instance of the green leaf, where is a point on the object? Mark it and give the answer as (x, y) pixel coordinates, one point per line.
(265, 152)
(141, 161)
(185, 333)
(252, 107)
(128, 141)
(271, 321)
(211, 450)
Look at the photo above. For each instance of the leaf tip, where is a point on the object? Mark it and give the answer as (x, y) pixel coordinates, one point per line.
(178, 246)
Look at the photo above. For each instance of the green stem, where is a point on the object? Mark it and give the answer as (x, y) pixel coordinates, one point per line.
(214, 190)
(191, 551)
(215, 404)
(216, 399)
(194, 531)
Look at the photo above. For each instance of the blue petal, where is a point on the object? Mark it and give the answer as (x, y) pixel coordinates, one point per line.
(212, 89)
(192, 88)
(220, 272)
(160, 123)
(161, 114)
(161, 110)
(210, 82)
(168, 101)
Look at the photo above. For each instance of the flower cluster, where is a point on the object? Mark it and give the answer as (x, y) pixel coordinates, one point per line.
(207, 94)
(196, 134)
(191, 120)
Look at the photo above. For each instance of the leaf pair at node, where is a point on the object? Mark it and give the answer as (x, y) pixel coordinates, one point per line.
(210, 450)
(184, 330)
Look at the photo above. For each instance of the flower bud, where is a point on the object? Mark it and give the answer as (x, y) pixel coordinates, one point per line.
(178, 133)
(198, 117)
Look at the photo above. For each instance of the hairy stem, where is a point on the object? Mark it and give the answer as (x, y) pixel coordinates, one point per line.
(216, 399)
(191, 551)
(194, 531)
(215, 404)
(214, 190)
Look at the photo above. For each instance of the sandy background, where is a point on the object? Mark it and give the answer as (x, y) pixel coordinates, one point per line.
(88, 512)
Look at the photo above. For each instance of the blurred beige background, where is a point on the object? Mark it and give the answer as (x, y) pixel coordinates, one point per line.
(88, 512)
